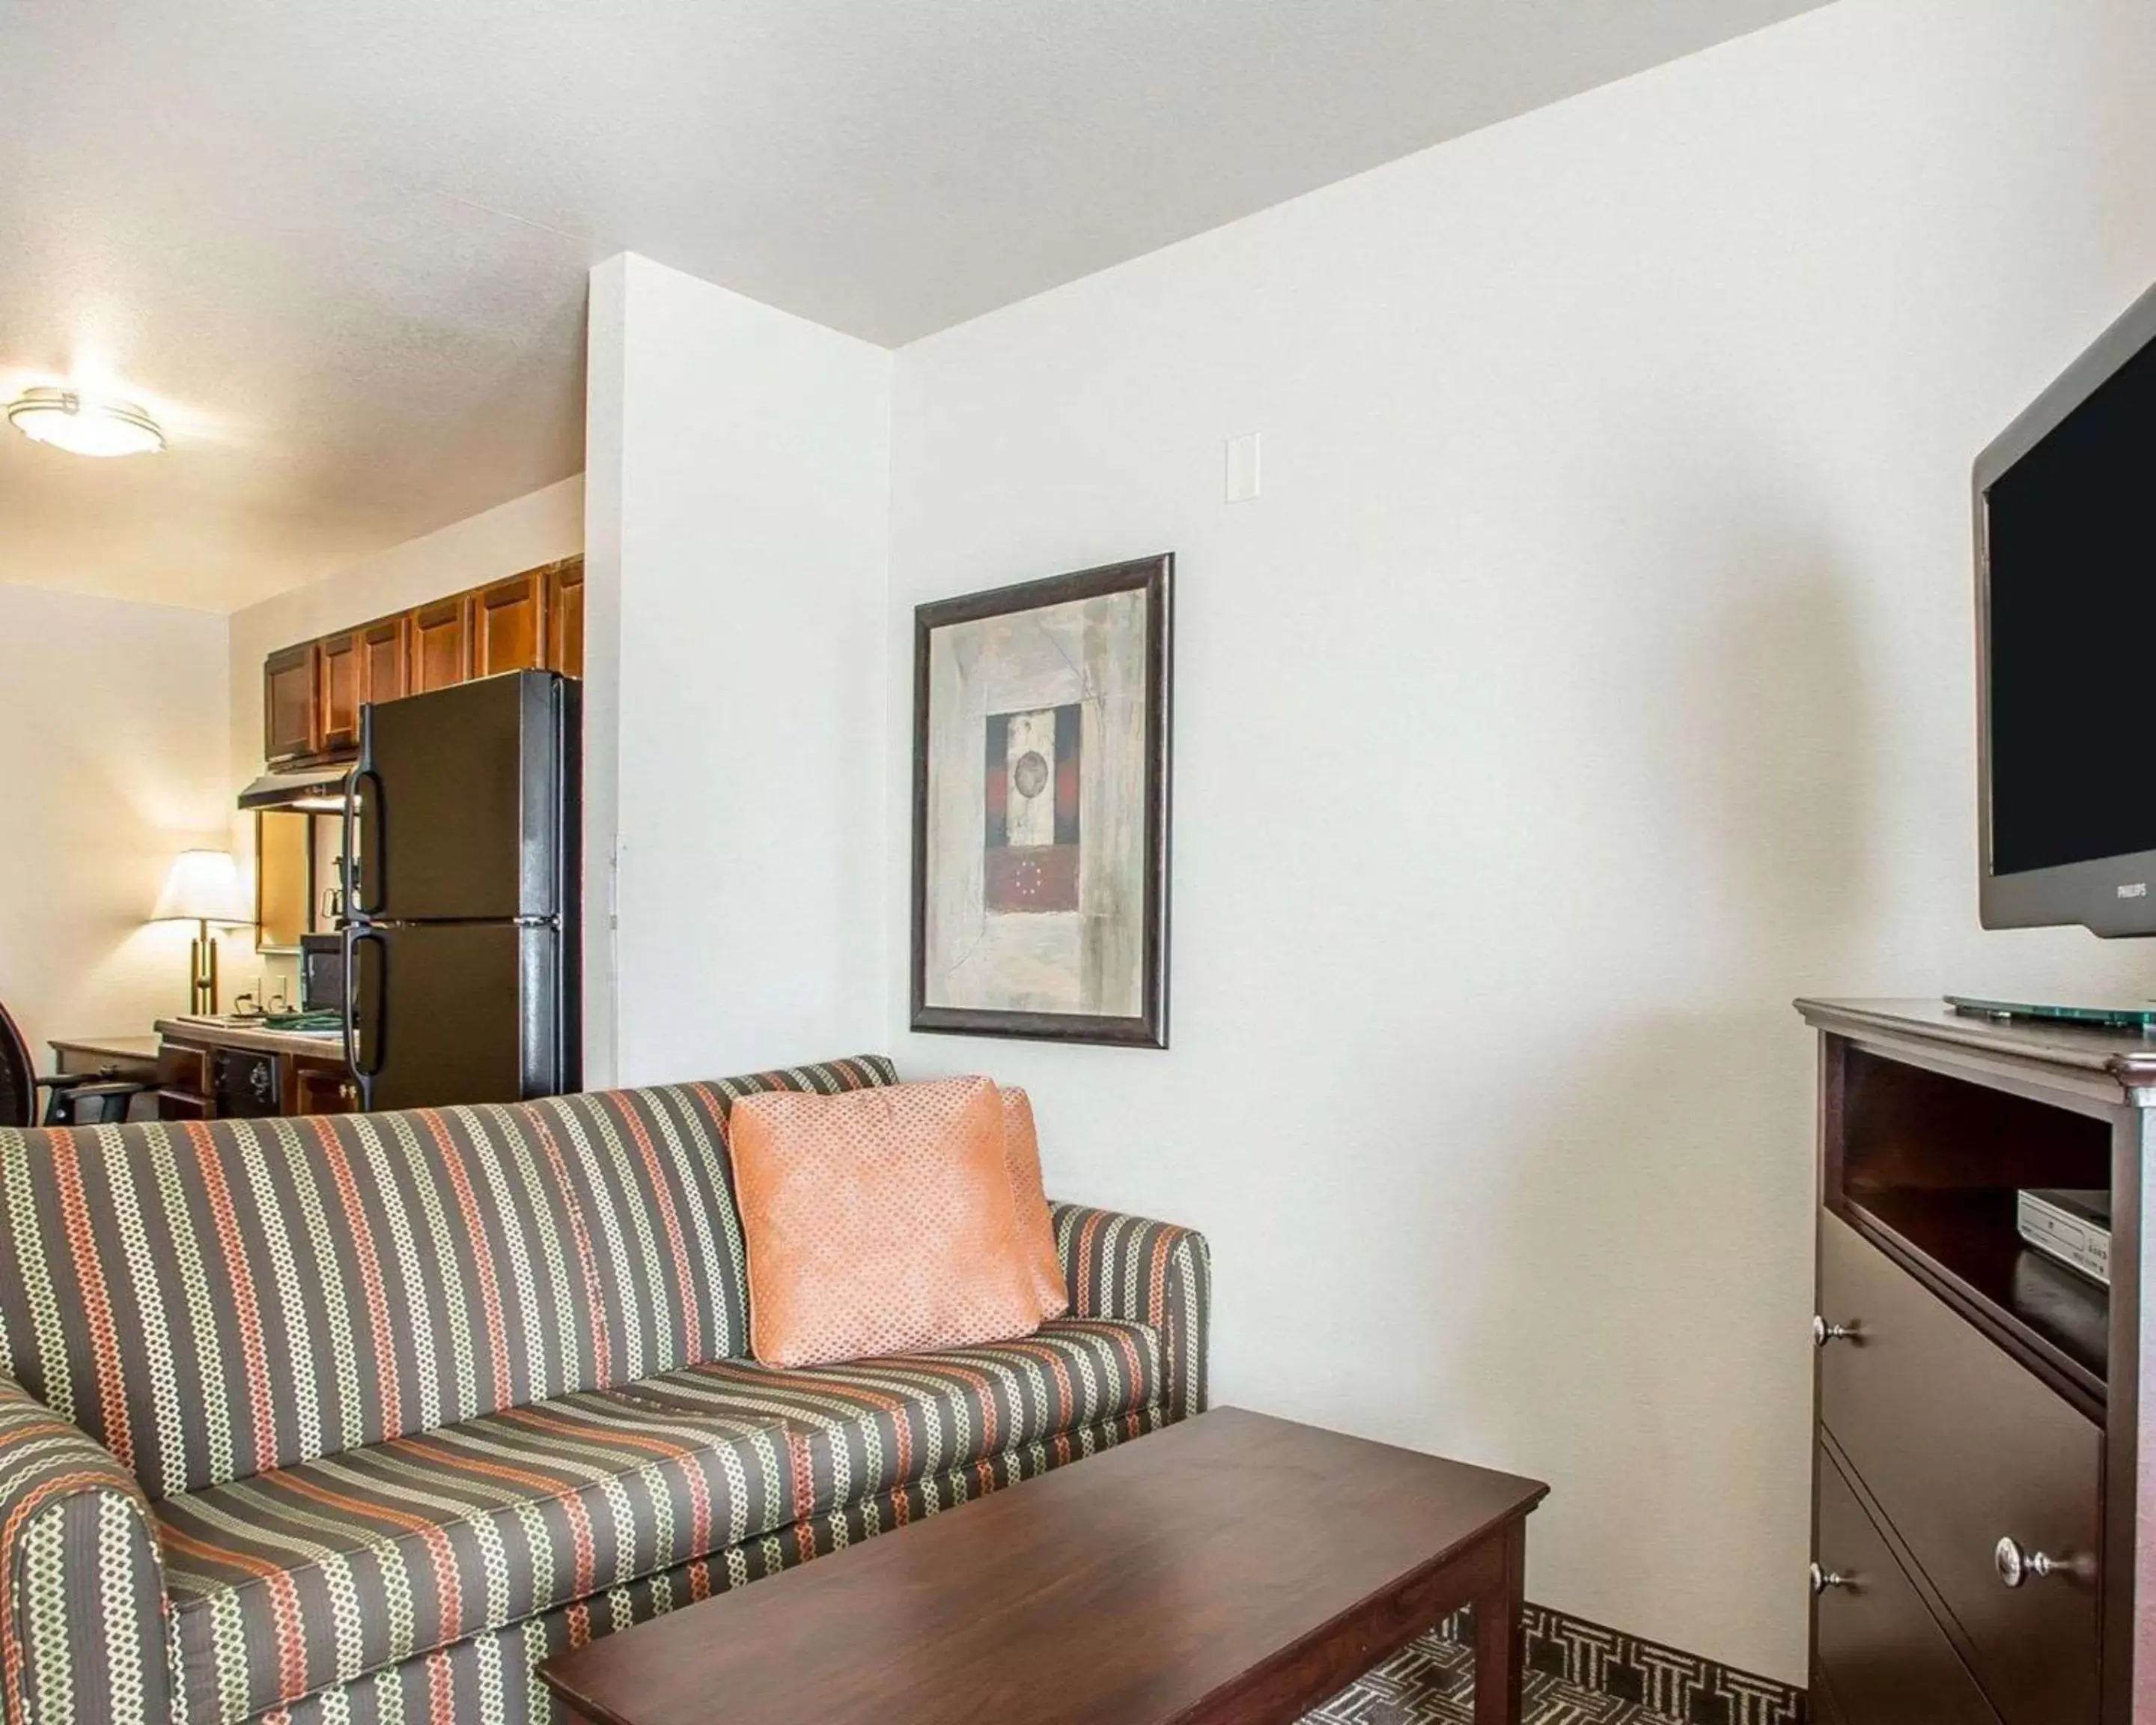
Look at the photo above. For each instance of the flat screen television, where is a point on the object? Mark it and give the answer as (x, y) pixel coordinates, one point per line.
(2065, 579)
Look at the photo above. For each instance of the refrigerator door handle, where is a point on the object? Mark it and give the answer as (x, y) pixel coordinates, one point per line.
(377, 845)
(348, 877)
(351, 984)
(355, 937)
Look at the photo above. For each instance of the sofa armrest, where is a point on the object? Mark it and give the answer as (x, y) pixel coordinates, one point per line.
(82, 1598)
(1151, 1272)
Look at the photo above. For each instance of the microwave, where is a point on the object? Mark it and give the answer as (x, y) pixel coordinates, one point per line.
(321, 972)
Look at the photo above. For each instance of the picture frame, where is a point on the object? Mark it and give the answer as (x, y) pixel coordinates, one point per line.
(1041, 757)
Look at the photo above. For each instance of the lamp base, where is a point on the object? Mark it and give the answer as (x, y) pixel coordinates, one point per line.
(201, 974)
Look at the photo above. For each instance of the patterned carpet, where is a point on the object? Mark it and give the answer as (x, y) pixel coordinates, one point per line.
(1431, 1682)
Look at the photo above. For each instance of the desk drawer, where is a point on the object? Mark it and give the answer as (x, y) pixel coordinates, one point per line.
(180, 1067)
(181, 1104)
(1882, 1655)
(1960, 1446)
(244, 1085)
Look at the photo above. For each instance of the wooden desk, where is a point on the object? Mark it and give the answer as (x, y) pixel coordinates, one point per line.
(308, 1073)
(119, 1056)
(130, 1057)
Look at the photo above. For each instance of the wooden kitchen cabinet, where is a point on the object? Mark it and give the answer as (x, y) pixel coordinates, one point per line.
(565, 617)
(323, 1089)
(311, 693)
(360, 665)
(509, 625)
(440, 655)
(383, 647)
(224, 1069)
(340, 676)
(292, 729)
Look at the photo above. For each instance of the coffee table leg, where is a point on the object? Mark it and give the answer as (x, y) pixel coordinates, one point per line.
(1498, 1665)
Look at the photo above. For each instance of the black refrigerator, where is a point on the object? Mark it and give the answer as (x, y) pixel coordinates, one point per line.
(463, 878)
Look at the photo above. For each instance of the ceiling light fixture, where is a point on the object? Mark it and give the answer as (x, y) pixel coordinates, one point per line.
(84, 424)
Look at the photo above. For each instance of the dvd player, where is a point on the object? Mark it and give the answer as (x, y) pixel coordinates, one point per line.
(2072, 1225)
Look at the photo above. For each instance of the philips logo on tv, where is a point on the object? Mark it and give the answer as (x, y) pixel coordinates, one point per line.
(2134, 889)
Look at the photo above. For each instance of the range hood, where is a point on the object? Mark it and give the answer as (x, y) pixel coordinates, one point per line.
(310, 790)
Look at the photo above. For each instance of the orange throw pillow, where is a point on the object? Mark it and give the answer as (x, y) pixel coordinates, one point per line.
(879, 1221)
(1036, 1233)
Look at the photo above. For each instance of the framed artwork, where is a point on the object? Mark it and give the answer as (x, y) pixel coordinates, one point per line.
(1040, 777)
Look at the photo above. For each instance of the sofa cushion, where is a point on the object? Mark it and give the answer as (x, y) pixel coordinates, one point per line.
(873, 1424)
(880, 1222)
(294, 1580)
(491, 1678)
(214, 1300)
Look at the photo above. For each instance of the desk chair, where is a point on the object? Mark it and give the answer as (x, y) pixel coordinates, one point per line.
(76, 1099)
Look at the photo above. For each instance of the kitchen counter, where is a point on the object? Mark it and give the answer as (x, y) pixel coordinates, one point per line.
(237, 1033)
(213, 1067)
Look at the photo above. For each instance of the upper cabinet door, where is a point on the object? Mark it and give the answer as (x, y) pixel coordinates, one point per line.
(565, 617)
(440, 654)
(341, 675)
(509, 626)
(312, 693)
(292, 729)
(383, 649)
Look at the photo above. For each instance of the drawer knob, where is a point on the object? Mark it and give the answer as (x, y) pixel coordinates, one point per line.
(1822, 1579)
(2016, 1566)
(1824, 1332)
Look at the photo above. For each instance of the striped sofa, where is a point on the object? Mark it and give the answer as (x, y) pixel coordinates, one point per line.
(358, 1419)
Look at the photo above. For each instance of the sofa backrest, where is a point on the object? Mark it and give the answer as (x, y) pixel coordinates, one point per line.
(214, 1300)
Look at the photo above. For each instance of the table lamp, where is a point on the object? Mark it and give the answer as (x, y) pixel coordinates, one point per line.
(202, 888)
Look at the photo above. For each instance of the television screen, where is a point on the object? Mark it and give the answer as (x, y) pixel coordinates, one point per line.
(2071, 529)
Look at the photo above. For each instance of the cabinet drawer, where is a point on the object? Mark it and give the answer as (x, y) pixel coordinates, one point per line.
(1880, 1654)
(246, 1085)
(180, 1067)
(1960, 1446)
(322, 1090)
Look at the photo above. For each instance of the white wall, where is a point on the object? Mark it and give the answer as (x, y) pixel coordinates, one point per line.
(606, 386)
(1593, 675)
(539, 527)
(112, 755)
(737, 533)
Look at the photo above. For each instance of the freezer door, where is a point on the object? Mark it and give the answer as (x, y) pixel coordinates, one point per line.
(460, 1012)
(462, 796)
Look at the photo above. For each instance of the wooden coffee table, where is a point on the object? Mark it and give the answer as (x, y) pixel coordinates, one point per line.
(1233, 1567)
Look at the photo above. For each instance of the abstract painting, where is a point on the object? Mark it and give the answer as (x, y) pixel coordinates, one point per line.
(1040, 780)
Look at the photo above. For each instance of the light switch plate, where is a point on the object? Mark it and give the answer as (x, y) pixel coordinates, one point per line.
(1243, 467)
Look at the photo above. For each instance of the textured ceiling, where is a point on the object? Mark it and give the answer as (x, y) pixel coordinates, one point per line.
(340, 246)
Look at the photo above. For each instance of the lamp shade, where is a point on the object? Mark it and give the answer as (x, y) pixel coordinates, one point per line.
(203, 887)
